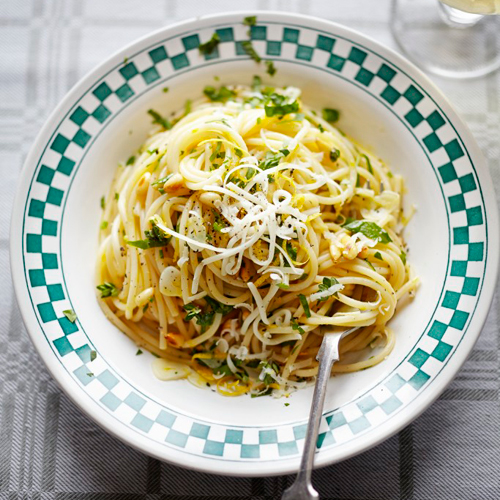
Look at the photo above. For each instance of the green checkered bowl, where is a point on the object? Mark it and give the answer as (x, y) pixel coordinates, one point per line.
(386, 104)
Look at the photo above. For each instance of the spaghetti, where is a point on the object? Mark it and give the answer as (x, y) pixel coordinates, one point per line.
(239, 229)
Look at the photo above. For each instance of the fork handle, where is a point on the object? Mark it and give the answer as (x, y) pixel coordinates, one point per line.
(327, 355)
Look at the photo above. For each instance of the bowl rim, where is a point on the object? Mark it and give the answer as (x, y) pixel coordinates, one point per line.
(404, 417)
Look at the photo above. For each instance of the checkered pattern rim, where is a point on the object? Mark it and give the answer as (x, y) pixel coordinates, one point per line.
(152, 66)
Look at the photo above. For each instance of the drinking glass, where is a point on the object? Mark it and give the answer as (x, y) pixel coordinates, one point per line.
(451, 38)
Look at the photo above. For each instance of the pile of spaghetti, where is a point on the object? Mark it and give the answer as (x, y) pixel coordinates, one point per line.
(245, 224)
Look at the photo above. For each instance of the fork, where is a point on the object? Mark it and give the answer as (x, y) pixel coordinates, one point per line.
(302, 488)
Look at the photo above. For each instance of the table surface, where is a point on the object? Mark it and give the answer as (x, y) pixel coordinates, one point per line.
(49, 449)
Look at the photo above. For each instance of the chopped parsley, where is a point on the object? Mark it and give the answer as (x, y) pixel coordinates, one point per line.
(205, 317)
(208, 47)
(107, 289)
(321, 128)
(117, 196)
(334, 154)
(161, 253)
(104, 224)
(276, 106)
(368, 164)
(330, 115)
(402, 255)
(297, 327)
(283, 286)
(70, 314)
(328, 282)
(268, 379)
(221, 95)
(256, 83)
(369, 229)
(248, 48)
(187, 106)
(154, 238)
(378, 256)
(103, 202)
(272, 159)
(270, 68)
(250, 21)
(216, 152)
(305, 305)
(165, 89)
(130, 161)
(93, 355)
(291, 250)
(157, 118)
(287, 404)
(369, 263)
(138, 353)
(160, 183)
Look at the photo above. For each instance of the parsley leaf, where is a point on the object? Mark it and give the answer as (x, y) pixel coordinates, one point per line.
(104, 224)
(369, 263)
(330, 115)
(221, 95)
(157, 118)
(305, 305)
(103, 202)
(402, 255)
(276, 106)
(250, 21)
(70, 314)
(154, 238)
(368, 163)
(271, 69)
(107, 289)
(328, 282)
(192, 311)
(297, 327)
(272, 159)
(369, 229)
(334, 154)
(160, 183)
(208, 47)
(378, 256)
(130, 161)
(217, 307)
(248, 48)
(93, 355)
(138, 353)
(256, 83)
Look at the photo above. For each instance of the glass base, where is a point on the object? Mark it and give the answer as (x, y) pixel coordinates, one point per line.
(445, 41)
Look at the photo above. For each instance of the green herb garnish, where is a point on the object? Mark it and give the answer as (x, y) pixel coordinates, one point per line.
(275, 106)
(138, 353)
(208, 47)
(130, 161)
(107, 289)
(378, 256)
(156, 237)
(330, 115)
(305, 305)
(221, 95)
(103, 202)
(297, 327)
(328, 282)
(334, 154)
(271, 69)
(157, 118)
(93, 355)
(70, 314)
(104, 224)
(250, 21)
(369, 229)
(402, 256)
(248, 48)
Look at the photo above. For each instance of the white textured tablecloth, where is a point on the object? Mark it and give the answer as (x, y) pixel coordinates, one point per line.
(49, 450)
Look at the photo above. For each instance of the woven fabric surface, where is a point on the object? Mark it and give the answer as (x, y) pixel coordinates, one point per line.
(50, 450)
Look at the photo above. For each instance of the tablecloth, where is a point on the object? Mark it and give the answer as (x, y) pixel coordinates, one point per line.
(50, 450)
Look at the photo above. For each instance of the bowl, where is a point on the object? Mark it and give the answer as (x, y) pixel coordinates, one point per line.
(387, 105)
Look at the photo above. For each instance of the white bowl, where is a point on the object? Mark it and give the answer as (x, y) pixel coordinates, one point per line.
(386, 104)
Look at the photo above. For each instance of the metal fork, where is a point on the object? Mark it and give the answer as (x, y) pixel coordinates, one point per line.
(302, 488)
